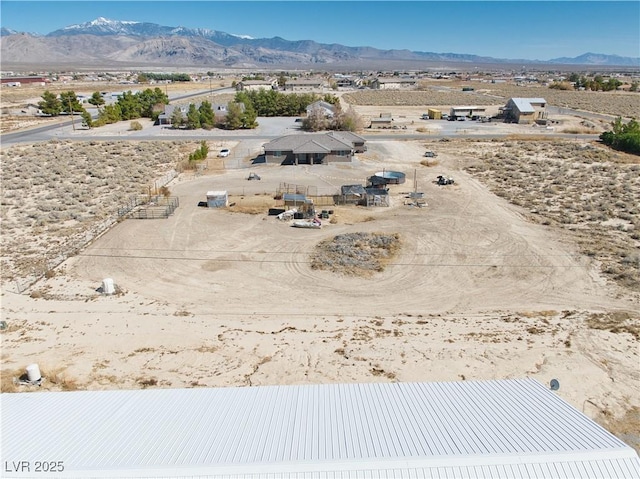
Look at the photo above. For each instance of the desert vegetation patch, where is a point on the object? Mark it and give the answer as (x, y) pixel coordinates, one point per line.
(356, 254)
(588, 190)
(56, 195)
(625, 104)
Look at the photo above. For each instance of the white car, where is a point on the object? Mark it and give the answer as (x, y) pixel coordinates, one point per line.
(224, 152)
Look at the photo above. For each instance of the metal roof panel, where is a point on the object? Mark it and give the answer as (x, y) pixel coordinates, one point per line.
(494, 429)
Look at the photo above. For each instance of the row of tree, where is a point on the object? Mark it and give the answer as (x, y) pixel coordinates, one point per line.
(275, 103)
(238, 117)
(173, 77)
(129, 106)
(623, 136)
(318, 120)
(595, 83)
(67, 102)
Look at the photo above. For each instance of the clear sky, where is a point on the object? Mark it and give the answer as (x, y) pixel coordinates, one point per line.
(525, 29)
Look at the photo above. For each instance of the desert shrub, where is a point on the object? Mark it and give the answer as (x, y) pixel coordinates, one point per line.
(135, 126)
(355, 254)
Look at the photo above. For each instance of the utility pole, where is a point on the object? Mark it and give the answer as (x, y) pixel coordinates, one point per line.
(73, 125)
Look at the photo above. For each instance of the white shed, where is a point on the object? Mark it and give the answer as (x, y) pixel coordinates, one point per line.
(217, 199)
(511, 428)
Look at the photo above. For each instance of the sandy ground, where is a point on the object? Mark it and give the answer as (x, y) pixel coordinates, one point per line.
(221, 298)
(224, 298)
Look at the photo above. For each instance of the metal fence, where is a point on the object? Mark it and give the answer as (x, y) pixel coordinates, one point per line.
(82, 239)
(159, 208)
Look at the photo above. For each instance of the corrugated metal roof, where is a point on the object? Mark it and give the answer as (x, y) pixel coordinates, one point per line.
(294, 197)
(357, 190)
(525, 105)
(492, 429)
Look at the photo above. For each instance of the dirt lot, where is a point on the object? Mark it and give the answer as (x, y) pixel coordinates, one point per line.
(481, 286)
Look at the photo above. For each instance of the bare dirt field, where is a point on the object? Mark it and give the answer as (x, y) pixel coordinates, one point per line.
(500, 275)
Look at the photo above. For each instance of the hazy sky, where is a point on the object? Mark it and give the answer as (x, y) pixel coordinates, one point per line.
(533, 30)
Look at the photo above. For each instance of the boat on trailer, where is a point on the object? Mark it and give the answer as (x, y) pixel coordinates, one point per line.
(314, 224)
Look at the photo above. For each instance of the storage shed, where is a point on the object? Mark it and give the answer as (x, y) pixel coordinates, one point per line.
(512, 428)
(377, 197)
(217, 199)
(352, 195)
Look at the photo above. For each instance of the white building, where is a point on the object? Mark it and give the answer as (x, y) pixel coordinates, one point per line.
(515, 428)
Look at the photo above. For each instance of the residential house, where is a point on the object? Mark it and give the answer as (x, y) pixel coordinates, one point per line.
(327, 110)
(219, 110)
(525, 110)
(313, 84)
(393, 83)
(313, 148)
(257, 85)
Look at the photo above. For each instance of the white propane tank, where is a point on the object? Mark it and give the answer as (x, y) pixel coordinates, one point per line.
(33, 373)
(108, 286)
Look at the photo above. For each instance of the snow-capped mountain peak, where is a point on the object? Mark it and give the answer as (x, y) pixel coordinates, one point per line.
(114, 25)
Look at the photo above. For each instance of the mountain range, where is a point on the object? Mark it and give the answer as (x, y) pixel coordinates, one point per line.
(103, 42)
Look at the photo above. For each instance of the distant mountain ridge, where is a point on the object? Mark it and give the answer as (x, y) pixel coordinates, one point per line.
(103, 41)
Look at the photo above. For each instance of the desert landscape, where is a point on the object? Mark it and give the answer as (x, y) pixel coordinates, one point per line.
(527, 265)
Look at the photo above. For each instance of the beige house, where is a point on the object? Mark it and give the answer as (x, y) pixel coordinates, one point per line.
(393, 83)
(525, 110)
(256, 85)
(313, 84)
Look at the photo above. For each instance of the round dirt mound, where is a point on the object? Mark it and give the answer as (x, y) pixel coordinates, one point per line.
(356, 254)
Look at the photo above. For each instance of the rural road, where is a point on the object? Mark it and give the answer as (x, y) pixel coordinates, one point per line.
(271, 128)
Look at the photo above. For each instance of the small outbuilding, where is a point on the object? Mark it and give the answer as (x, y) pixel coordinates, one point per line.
(217, 199)
(377, 197)
(352, 195)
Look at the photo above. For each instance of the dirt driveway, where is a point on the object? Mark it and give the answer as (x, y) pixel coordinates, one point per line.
(467, 250)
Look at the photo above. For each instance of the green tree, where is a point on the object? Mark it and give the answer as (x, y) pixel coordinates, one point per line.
(177, 118)
(611, 84)
(130, 106)
(96, 99)
(109, 114)
(50, 104)
(193, 118)
(623, 137)
(248, 117)
(233, 121)
(70, 102)
(143, 78)
(152, 102)
(207, 117)
(87, 121)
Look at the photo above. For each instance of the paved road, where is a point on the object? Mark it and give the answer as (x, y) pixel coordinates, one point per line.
(269, 128)
(64, 130)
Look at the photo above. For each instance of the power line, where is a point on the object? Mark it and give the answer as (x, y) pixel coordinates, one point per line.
(247, 260)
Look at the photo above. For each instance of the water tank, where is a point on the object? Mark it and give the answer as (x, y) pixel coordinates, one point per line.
(108, 286)
(33, 373)
(392, 177)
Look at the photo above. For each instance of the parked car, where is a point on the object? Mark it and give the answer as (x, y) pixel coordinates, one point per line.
(430, 154)
(224, 152)
(253, 176)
